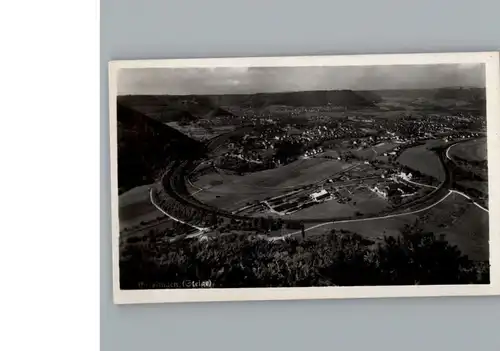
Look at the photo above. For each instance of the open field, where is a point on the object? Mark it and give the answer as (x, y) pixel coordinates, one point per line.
(480, 186)
(421, 159)
(329, 153)
(365, 153)
(139, 217)
(363, 171)
(474, 150)
(231, 196)
(461, 223)
(370, 229)
(470, 233)
(207, 180)
(327, 209)
(385, 147)
(384, 159)
(367, 202)
(135, 207)
(199, 132)
(371, 153)
(346, 201)
(231, 192)
(298, 173)
(351, 196)
(134, 195)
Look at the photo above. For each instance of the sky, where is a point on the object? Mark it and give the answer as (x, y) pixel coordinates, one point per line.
(223, 80)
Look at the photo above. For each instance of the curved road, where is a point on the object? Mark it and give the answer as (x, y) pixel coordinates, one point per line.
(371, 218)
(158, 207)
(173, 183)
(456, 165)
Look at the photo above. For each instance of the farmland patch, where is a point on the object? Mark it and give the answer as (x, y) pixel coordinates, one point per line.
(421, 159)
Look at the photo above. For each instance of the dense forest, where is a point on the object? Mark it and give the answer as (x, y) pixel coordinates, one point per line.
(145, 146)
(340, 258)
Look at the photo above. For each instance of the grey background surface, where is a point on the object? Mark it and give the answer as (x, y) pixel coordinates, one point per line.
(145, 29)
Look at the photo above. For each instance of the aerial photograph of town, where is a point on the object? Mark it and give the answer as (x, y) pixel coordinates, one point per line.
(302, 176)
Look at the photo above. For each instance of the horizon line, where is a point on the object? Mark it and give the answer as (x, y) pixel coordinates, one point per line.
(308, 91)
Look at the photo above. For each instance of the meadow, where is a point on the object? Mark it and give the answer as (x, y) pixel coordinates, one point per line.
(474, 150)
(236, 191)
(421, 159)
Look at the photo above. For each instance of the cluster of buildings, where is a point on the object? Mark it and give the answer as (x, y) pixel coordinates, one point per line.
(391, 191)
(362, 119)
(397, 188)
(321, 195)
(455, 136)
(244, 158)
(404, 176)
(310, 135)
(390, 153)
(258, 147)
(421, 127)
(313, 152)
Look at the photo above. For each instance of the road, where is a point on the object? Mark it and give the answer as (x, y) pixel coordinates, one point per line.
(151, 198)
(420, 184)
(448, 152)
(370, 218)
(454, 163)
(468, 197)
(173, 182)
(461, 141)
(450, 192)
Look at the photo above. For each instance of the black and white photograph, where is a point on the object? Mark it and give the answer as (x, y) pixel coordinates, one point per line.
(253, 179)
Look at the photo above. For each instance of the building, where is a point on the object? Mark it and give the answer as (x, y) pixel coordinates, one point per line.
(407, 190)
(395, 190)
(405, 176)
(382, 192)
(320, 195)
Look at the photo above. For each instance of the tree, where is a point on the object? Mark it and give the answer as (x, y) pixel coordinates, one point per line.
(212, 218)
(287, 150)
(256, 223)
(340, 258)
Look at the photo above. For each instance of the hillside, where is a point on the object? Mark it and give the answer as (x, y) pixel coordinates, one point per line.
(347, 98)
(475, 97)
(370, 96)
(172, 108)
(145, 146)
(465, 94)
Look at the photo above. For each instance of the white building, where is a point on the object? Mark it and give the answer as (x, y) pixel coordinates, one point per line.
(320, 195)
(380, 192)
(405, 176)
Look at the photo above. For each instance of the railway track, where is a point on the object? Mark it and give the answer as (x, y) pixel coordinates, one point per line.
(173, 183)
